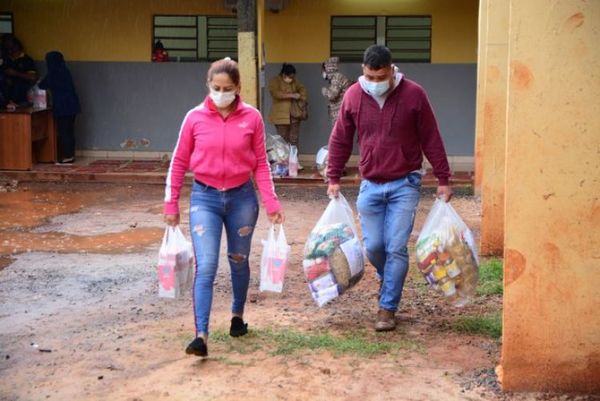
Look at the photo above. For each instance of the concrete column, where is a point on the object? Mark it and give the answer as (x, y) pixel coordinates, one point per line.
(481, 68)
(491, 119)
(551, 337)
(247, 60)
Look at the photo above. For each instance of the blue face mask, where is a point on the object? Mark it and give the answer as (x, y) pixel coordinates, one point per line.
(377, 88)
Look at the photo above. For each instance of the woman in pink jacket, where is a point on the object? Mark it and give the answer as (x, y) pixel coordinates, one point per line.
(222, 141)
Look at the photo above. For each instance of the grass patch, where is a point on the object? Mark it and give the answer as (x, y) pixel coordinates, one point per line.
(488, 325)
(490, 278)
(287, 342)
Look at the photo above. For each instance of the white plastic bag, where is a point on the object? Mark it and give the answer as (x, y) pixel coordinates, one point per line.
(321, 161)
(293, 161)
(274, 261)
(175, 264)
(447, 254)
(333, 256)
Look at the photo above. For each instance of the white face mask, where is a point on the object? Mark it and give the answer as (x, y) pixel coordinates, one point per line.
(288, 80)
(222, 99)
(377, 88)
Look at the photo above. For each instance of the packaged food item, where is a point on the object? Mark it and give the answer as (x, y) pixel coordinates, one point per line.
(278, 154)
(447, 256)
(333, 255)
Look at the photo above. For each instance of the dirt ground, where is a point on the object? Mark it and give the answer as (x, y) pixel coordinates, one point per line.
(80, 318)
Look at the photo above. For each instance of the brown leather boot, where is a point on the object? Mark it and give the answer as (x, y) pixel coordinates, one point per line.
(385, 320)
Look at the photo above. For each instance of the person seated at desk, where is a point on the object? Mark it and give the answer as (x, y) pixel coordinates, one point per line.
(20, 73)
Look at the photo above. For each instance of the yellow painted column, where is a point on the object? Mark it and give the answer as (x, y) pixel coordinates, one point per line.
(551, 322)
(492, 126)
(247, 64)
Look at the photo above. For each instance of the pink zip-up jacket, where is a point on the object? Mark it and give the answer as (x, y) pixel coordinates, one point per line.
(222, 153)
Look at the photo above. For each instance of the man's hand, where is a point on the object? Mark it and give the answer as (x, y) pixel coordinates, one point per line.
(171, 219)
(444, 192)
(277, 217)
(333, 190)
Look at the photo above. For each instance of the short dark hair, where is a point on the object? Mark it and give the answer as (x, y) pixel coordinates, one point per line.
(225, 66)
(288, 69)
(377, 57)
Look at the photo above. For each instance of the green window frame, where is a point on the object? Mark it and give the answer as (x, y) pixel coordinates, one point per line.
(196, 37)
(408, 37)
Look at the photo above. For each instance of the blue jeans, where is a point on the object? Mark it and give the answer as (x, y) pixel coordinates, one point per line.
(387, 214)
(210, 210)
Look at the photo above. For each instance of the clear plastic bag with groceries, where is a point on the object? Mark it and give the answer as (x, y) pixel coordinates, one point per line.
(333, 254)
(447, 255)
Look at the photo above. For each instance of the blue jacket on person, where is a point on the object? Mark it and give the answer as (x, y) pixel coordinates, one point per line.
(59, 82)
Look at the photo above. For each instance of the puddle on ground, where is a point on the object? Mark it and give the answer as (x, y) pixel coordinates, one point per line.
(43, 218)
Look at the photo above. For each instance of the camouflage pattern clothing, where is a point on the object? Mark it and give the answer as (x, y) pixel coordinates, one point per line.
(338, 84)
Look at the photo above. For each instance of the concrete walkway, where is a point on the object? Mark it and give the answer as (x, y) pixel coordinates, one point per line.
(155, 172)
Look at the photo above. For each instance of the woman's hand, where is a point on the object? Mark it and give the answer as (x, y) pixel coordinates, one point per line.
(277, 217)
(171, 219)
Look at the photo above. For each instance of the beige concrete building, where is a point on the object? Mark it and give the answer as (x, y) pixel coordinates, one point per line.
(538, 158)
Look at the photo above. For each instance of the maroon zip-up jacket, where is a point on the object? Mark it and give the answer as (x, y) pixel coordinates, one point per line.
(392, 139)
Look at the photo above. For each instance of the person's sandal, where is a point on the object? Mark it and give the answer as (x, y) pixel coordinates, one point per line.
(197, 347)
(238, 327)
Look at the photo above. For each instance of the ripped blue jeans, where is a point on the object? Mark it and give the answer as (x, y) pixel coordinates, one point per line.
(210, 210)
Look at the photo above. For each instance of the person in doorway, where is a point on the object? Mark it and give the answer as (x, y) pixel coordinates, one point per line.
(159, 54)
(284, 88)
(338, 84)
(222, 141)
(20, 72)
(395, 125)
(65, 104)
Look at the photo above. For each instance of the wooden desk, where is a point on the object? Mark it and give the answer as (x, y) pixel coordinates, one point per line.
(27, 135)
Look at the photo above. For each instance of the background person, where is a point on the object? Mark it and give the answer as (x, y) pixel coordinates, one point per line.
(395, 126)
(65, 104)
(283, 88)
(19, 71)
(338, 84)
(222, 141)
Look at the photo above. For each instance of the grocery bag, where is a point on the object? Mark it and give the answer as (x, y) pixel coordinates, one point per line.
(274, 261)
(175, 264)
(447, 255)
(333, 254)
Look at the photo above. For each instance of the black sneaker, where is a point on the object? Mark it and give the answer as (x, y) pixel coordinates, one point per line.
(238, 327)
(197, 347)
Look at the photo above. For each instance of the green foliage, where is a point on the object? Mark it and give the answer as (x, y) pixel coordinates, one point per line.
(488, 325)
(490, 278)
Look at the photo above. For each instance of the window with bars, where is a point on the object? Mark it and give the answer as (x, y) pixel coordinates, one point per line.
(407, 37)
(195, 38)
(6, 23)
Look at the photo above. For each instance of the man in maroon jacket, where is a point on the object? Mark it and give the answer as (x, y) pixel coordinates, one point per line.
(395, 126)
